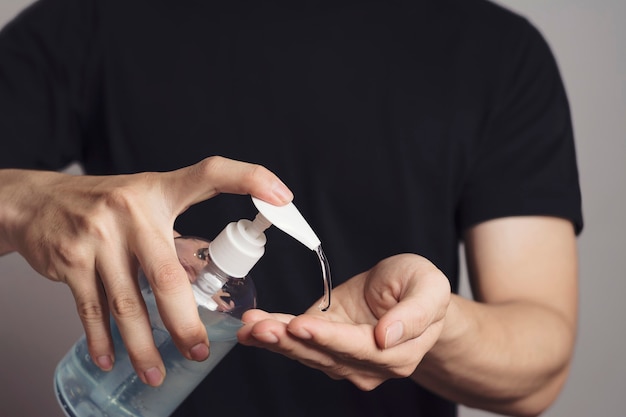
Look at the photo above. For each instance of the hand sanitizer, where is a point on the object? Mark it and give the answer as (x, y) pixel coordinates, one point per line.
(218, 272)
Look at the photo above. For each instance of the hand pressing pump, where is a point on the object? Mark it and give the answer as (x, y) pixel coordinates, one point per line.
(218, 271)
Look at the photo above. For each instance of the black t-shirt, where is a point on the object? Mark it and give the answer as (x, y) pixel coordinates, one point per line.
(397, 124)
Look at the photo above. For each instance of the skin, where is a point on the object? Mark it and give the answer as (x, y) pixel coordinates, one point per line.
(508, 351)
(93, 232)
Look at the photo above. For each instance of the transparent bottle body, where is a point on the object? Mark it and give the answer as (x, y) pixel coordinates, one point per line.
(83, 390)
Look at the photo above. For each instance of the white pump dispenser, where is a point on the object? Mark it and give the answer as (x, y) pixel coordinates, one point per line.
(288, 219)
(241, 244)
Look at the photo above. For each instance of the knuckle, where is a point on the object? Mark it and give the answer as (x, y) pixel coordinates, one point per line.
(72, 255)
(90, 311)
(125, 192)
(166, 278)
(341, 371)
(366, 384)
(208, 166)
(256, 170)
(256, 173)
(187, 333)
(126, 306)
(404, 372)
(121, 197)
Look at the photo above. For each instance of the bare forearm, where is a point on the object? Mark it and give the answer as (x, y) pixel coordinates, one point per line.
(509, 358)
(11, 182)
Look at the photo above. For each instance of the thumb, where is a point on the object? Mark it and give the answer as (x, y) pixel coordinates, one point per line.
(216, 174)
(401, 323)
(422, 295)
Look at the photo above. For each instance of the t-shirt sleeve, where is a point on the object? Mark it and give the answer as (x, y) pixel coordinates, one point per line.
(525, 163)
(42, 61)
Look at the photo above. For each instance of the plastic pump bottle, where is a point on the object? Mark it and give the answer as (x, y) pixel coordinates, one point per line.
(218, 271)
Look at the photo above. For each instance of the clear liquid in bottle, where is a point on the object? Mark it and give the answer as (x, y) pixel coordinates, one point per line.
(84, 390)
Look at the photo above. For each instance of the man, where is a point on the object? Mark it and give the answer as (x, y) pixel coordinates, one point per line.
(400, 127)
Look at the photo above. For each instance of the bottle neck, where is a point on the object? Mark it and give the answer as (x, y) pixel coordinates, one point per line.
(208, 283)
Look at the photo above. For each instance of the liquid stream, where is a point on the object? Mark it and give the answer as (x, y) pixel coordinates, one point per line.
(326, 278)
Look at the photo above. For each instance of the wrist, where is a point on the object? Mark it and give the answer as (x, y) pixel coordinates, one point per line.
(8, 210)
(17, 201)
(458, 328)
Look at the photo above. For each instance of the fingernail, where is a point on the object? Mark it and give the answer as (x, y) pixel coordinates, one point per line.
(199, 352)
(393, 334)
(266, 337)
(281, 191)
(105, 362)
(153, 377)
(301, 333)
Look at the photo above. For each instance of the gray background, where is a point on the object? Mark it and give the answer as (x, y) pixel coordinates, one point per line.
(38, 322)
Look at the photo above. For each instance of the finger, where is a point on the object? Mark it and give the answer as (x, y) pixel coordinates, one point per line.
(347, 350)
(216, 174)
(262, 328)
(93, 311)
(340, 350)
(256, 314)
(353, 340)
(422, 293)
(273, 335)
(173, 294)
(119, 276)
(350, 351)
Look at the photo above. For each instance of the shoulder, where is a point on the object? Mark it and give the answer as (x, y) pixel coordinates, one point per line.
(500, 27)
(52, 24)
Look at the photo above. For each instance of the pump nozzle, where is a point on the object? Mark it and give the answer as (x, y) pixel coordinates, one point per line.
(241, 244)
(288, 219)
(258, 225)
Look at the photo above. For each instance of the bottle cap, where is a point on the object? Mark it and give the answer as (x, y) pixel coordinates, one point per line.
(241, 244)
